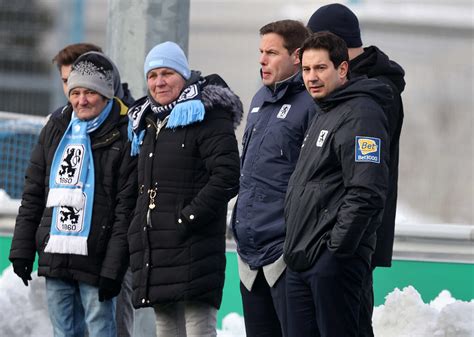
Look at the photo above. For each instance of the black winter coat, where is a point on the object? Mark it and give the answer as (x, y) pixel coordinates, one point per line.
(373, 63)
(188, 173)
(337, 192)
(114, 200)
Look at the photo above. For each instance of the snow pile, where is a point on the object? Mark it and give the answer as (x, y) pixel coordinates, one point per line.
(24, 313)
(232, 326)
(404, 314)
(24, 309)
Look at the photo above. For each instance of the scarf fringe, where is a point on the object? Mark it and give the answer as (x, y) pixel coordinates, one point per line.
(63, 244)
(65, 197)
(186, 113)
(136, 142)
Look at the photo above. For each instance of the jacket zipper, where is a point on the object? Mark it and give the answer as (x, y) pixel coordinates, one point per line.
(151, 205)
(160, 125)
(152, 191)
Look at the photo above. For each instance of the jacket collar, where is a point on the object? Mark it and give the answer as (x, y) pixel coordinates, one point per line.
(279, 89)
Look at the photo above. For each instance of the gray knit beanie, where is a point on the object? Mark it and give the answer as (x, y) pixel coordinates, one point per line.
(94, 72)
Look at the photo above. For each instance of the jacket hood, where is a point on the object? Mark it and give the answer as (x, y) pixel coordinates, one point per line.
(216, 94)
(374, 62)
(359, 87)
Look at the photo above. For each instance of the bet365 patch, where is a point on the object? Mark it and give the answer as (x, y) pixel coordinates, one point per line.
(367, 149)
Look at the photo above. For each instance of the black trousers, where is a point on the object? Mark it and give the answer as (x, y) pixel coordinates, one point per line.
(324, 301)
(265, 307)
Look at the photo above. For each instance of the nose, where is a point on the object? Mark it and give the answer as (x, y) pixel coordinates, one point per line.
(313, 76)
(160, 81)
(83, 99)
(263, 59)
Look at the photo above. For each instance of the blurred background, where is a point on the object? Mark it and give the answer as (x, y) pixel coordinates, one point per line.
(432, 39)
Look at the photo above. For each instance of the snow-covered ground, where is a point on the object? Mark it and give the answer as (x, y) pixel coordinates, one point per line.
(404, 314)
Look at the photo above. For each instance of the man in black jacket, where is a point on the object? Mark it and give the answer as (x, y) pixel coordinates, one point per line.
(64, 59)
(373, 63)
(80, 189)
(336, 194)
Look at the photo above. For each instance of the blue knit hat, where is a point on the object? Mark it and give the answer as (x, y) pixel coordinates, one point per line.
(167, 55)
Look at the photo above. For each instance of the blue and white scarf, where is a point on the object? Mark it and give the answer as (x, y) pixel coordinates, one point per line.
(186, 109)
(71, 187)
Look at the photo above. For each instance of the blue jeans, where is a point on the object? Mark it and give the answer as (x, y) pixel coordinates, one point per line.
(74, 305)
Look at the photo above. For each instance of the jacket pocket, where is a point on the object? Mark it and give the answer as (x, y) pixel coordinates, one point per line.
(182, 226)
(305, 221)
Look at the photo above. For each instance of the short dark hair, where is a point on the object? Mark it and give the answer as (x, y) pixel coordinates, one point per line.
(69, 54)
(293, 33)
(335, 46)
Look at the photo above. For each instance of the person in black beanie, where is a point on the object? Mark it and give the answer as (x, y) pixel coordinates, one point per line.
(373, 63)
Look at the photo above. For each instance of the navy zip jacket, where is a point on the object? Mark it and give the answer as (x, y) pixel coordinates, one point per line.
(276, 124)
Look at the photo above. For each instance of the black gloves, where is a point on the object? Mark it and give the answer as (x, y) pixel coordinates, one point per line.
(23, 268)
(108, 288)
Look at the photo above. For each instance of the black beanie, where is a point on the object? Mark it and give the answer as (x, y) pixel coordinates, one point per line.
(339, 20)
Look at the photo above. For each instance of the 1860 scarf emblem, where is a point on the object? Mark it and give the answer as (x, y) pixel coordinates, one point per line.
(71, 165)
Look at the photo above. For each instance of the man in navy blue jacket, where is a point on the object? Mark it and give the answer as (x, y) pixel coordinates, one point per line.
(278, 117)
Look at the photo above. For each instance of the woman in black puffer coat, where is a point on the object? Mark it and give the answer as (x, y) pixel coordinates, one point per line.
(188, 170)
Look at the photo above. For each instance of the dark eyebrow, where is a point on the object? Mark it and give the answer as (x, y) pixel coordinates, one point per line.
(271, 50)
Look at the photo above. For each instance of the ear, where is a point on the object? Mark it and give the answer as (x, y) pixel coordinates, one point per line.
(343, 69)
(296, 56)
